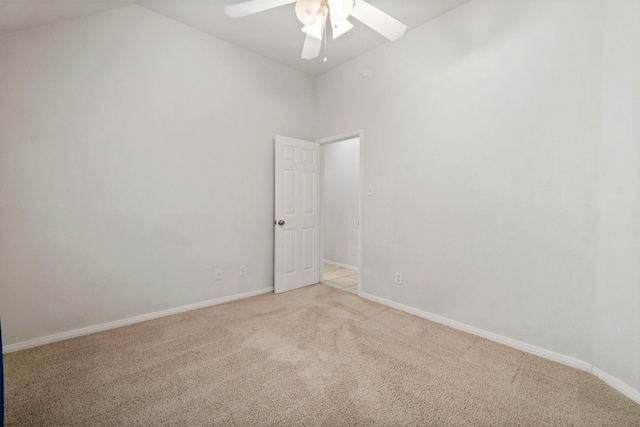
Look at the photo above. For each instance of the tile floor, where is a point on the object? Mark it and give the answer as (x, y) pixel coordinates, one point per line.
(340, 278)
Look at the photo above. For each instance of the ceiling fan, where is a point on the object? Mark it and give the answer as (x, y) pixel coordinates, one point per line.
(313, 15)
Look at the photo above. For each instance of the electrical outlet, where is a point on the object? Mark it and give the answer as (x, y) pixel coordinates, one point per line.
(370, 190)
(218, 274)
(398, 278)
(243, 270)
(353, 250)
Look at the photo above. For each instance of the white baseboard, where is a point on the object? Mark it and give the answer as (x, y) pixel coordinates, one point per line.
(23, 345)
(528, 348)
(622, 387)
(612, 381)
(337, 264)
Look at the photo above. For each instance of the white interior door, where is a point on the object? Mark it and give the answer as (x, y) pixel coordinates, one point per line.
(297, 213)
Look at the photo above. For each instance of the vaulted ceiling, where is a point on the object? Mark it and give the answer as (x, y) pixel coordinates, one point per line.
(274, 33)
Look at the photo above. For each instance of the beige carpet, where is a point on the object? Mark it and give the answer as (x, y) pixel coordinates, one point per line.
(315, 356)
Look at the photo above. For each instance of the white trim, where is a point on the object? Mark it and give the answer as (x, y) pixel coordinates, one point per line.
(23, 345)
(612, 381)
(528, 348)
(329, 140)
(340, 137)
(622, 387)
(337, 264)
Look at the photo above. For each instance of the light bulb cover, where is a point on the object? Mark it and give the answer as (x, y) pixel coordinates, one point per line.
(341, 9)
(307, 11)
(316, 29)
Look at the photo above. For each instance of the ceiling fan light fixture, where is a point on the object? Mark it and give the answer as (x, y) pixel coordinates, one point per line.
(341, 9)
(339, 26)
(316, 29)
(307, 11)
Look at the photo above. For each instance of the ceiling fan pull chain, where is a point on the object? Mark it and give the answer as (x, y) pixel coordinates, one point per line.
(325, 40)
(325, 50)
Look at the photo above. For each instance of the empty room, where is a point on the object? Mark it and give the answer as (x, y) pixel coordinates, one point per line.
(320, 212)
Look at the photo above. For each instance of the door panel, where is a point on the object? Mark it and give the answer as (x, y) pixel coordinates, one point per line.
(308, 245)
(308, 194)
(297, 216)
(289, 192)
(289, 251)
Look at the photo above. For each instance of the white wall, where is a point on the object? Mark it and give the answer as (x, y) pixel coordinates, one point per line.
(341, 201)
(617, 337)
(482, 135)
(503, 143)
(135, 157)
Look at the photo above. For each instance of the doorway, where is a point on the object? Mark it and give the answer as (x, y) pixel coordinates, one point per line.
(341, 172)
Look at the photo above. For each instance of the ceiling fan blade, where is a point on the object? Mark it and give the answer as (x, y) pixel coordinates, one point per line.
(373, 17)
(311, 47)
(250, 7)
(340, 26)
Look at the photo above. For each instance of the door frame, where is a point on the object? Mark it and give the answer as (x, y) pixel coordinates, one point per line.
(330, 140)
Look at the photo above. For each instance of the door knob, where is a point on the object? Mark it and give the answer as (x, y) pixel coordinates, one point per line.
(281, 222)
